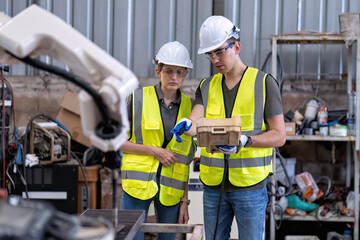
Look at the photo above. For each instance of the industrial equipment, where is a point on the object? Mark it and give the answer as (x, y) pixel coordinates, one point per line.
(35, 31)
(49, 142)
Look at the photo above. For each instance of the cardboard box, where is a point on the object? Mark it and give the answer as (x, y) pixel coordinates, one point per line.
(290, 128)
(339, 130)
(211, 132)
(69, 116)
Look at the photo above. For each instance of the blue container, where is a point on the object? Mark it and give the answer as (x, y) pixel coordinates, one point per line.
(324, 129)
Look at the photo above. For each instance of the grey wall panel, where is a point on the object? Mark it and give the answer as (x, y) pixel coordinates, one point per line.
(141, 60)
(100, 23)
(120, 30)
(79, 16)
(267, 29)
(247, 31)
(202, 66)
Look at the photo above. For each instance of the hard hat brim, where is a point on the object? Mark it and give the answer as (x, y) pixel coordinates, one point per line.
(205, 50)
(189, 65)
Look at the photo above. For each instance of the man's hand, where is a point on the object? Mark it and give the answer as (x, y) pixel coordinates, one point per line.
(233, 149)
(182, 126)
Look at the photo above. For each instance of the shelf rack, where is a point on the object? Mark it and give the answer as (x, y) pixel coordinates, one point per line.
(349, 43)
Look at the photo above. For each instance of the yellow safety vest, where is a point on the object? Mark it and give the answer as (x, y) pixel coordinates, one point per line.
(250, 165)
(138, 172)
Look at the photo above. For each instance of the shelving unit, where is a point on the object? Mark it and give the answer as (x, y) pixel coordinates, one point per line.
(354, 140)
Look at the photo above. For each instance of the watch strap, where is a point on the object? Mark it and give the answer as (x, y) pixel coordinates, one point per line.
(248, 142)
(186, 200)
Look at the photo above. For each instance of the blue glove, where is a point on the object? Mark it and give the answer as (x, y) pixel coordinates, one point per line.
(233, 149)
(227, 149)
(182, 126)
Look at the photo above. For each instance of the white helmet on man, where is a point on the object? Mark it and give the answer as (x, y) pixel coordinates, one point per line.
(174, 53)
(214, 32)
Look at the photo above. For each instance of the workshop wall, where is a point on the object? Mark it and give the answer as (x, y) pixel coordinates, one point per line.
(42, 94)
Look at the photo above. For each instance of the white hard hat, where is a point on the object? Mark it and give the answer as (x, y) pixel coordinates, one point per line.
(214, 32)
(174, 53)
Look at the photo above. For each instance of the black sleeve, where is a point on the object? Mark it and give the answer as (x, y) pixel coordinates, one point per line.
(129, 107)
(198, 96)
(129, 111)
(273, 103)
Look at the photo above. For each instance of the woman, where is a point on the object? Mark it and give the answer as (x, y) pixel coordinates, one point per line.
(155, 166)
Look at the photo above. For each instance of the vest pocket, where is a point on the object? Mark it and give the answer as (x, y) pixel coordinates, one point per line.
(135, 183)
(182, 148)
(247, 122)
(180, 172)
(214, 110)
(152, 125)
(138, 163)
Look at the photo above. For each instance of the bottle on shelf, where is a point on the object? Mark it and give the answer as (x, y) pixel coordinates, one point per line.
(350, 121)
(322, 115)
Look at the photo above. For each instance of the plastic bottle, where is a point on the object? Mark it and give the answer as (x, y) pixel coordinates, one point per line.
(322, 115)
(350, 121)
(352, 104)
(311, 110)
(350, 204)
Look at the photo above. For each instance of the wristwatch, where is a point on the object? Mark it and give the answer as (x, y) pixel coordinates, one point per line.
(185, 200)
(248, 142)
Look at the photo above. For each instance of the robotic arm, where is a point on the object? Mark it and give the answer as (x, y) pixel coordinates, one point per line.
(35, 32)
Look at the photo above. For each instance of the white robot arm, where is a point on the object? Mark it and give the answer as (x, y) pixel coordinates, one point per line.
(35, 32)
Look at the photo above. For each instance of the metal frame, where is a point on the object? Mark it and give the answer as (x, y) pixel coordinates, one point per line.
(349, 42)
(196, 229)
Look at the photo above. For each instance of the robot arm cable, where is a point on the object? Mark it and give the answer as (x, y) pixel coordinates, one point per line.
(74, 79)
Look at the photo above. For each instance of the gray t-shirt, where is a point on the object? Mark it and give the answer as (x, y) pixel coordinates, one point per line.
(273, 107)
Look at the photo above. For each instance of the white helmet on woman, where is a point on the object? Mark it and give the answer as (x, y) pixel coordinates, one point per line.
(174, 53)
(214, 32)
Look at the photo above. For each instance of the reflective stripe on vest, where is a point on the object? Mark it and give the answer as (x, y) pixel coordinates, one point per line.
(250, 165)
(139, 171)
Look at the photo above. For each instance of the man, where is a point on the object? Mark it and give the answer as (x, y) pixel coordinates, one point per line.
(236, 177)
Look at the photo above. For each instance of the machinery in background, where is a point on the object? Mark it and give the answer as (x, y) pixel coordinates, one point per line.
(32, 220)
(49, 142)
(104, 81)
(5, 113)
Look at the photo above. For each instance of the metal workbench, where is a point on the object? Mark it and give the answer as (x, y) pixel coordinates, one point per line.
(130, 219)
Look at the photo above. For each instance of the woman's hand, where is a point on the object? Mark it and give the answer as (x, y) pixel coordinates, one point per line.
(184, 213)
(166, 157)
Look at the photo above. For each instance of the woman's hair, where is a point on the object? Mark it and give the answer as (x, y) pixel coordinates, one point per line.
(160, 65)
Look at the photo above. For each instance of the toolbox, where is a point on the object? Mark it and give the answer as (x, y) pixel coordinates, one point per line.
(218, 131)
